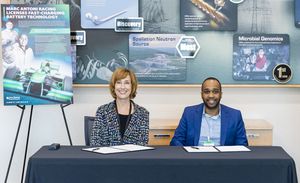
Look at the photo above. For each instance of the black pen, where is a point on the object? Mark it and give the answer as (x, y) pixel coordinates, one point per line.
(96, 148)
(194, 147)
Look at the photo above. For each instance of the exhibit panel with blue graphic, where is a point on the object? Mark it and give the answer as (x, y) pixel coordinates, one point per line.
(37, 64)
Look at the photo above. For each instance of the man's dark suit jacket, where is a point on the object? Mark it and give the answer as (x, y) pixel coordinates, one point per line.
(188, 131)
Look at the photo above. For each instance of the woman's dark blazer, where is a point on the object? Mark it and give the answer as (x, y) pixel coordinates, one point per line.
(106, 132)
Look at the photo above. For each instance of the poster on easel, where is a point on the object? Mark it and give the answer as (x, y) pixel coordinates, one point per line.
(36, 54)
(74, 9)
(256, 55)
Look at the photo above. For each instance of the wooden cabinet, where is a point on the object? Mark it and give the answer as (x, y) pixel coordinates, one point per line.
(161, 131)
(259, 132)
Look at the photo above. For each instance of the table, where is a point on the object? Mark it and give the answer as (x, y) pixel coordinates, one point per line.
(164, 164)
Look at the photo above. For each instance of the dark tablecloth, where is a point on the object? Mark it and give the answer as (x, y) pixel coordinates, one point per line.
(164, 164)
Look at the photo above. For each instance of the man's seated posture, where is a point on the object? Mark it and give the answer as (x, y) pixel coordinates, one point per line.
(210, 123)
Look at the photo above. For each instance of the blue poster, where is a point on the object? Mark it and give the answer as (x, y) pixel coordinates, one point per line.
(36, 52)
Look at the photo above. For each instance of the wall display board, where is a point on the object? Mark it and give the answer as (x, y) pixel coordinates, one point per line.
(104, 52)
(107, 50)
(256, 55)
(155, 57)
(36, 52)
(215, 58)
(102, 14)
(208, 15)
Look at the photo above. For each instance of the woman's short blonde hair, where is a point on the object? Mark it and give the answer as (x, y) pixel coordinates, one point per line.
(121, 74)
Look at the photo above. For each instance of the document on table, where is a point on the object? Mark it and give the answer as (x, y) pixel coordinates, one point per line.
(105, 150)
(132, 147)
(216, 149)
(117, 149)
(200, 149)
(232, 148)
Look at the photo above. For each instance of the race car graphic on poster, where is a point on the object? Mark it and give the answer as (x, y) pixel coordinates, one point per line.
(36, 52)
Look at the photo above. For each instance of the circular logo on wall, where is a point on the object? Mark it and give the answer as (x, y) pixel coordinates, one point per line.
(282, 73)
(236, 1)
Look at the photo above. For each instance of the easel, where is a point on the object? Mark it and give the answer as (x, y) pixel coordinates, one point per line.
(28, 132)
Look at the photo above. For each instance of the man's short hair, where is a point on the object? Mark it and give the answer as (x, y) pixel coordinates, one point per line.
(21, 35)
(261, 49)
(121, 74)
(211, 78)
(9, 22)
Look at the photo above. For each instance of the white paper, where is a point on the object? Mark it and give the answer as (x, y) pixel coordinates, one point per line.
(132, 147)
(117, 149)
(105, 150)
(232, 148)
(200, 149)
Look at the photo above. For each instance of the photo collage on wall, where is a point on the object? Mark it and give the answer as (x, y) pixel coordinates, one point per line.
(105, 50)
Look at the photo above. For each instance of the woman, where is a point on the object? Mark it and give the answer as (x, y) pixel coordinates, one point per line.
(121, 121)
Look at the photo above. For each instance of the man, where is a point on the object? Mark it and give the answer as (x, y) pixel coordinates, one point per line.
(24, 55)
(260, 61)
(9, 36)
(210, 123)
